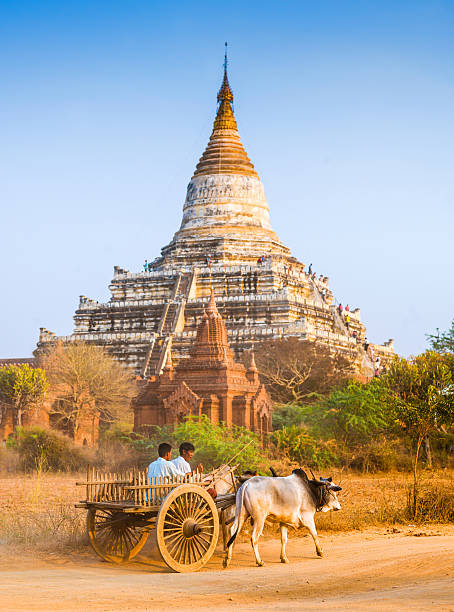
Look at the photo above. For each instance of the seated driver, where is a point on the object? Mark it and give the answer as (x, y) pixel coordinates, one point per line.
(181, 463)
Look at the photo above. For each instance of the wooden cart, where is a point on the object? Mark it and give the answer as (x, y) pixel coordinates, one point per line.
(123, 508)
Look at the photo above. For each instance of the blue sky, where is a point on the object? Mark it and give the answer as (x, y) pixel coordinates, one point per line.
(345, 108)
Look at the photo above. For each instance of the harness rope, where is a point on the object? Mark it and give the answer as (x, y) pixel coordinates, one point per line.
(322, 493)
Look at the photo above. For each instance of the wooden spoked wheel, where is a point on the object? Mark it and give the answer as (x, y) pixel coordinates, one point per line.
(187, 528)
(115, 535)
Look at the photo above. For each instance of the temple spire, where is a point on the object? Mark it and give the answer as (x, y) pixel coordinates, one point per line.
(225, 93)
(169, 362)
(252, 365)
(211, 308)
(211, 344)
(225, 153)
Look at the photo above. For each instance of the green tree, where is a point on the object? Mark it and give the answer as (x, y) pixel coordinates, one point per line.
(421, 390)
(355, 414)
(299, 446)
(288, 415)
(444, 342)
(22, 388)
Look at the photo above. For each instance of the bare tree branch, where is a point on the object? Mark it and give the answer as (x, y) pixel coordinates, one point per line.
(295, 370)
(87, 383)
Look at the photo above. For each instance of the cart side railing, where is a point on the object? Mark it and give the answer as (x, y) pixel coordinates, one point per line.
(145, 494)
(133, 487)
(107, 486)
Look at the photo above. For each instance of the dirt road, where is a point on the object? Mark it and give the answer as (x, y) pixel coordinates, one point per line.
(408, 570)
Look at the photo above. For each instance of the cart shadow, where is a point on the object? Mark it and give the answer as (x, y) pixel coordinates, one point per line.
(149, 560)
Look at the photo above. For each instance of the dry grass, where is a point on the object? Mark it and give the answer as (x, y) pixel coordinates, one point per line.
(435, 501)
(382, 500)
(367, 501)
(37, 511)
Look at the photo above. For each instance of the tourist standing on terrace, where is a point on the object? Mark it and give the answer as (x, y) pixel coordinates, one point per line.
(377, 366)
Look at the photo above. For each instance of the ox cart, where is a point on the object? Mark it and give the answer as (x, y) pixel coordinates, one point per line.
(124, 507)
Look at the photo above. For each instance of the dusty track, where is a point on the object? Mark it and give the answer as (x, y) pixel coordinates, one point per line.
(359, 571)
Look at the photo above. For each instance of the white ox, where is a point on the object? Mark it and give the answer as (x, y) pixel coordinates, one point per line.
(291, 501)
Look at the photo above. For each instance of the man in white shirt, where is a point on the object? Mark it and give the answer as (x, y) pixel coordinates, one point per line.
(181, 463)
(162, 466)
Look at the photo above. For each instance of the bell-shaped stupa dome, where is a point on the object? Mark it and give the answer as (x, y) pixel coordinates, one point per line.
(225, 198)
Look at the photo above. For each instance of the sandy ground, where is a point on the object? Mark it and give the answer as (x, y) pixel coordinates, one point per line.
(408, 569)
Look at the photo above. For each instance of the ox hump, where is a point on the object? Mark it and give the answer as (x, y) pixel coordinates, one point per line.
(301, 475)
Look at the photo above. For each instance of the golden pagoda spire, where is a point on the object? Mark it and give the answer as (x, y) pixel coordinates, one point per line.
(225, 93)
(225, 153)
(225, 119)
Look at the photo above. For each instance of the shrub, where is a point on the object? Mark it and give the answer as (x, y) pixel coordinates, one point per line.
(42, 449)
(379, 455)
(9, 460)
(286, 415)
(216, 443)
(433, 502)
(297, 444)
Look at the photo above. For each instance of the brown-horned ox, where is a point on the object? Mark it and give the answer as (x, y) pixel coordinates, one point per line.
(291, 501)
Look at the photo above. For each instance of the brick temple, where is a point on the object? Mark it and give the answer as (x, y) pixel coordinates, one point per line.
(225, 242)
(210, 382)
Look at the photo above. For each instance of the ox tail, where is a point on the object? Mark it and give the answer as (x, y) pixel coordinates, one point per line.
(238, 510)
